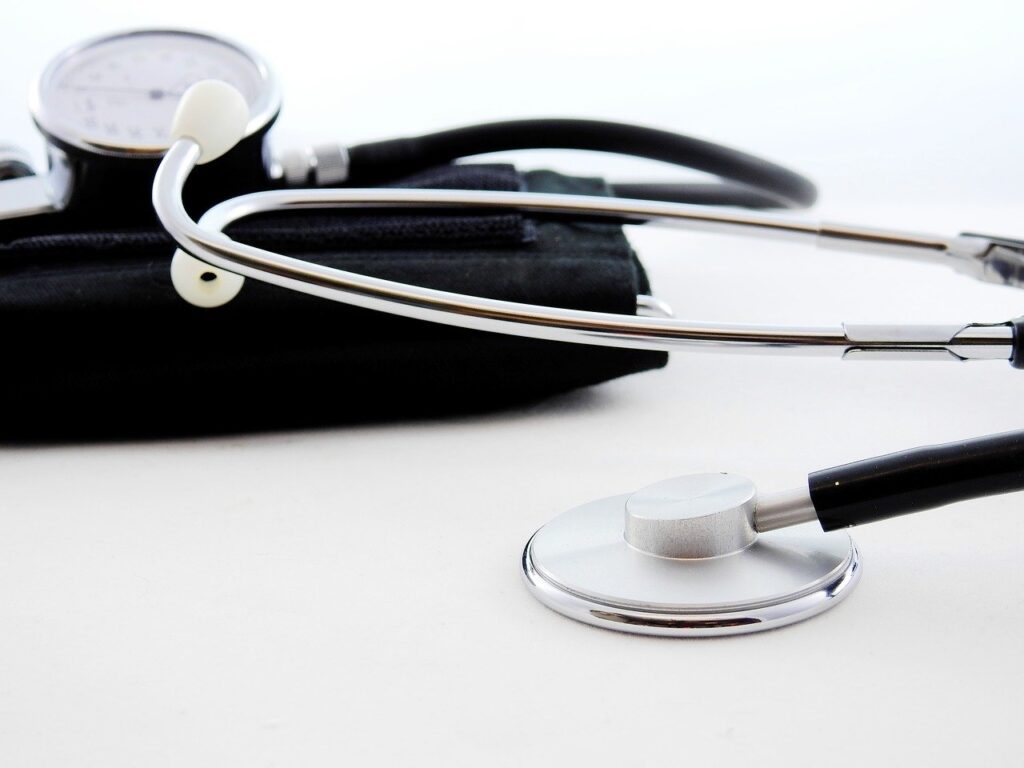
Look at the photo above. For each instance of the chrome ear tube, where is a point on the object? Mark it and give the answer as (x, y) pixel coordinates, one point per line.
(988, 259)
(693, 556)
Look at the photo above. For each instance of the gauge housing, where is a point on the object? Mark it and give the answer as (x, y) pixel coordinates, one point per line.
(102, 77)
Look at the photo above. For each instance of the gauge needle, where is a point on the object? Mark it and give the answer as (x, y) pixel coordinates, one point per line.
(154, 93)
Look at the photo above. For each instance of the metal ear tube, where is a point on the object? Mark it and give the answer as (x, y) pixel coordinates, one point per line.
(984, 258)
(696, 555)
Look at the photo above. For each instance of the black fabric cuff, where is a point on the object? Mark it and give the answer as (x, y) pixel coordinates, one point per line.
(98, 344)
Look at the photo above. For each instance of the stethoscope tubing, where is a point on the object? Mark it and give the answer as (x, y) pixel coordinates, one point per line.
(757, 181)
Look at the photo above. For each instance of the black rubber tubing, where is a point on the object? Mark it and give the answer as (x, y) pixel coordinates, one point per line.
(723, 193)
(1017, 358)
(918, 479)
(382, 161)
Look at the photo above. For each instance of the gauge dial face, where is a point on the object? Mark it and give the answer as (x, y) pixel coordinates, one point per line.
(117, 95)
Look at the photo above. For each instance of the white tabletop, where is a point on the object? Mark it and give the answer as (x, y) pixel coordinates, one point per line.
(352, 595)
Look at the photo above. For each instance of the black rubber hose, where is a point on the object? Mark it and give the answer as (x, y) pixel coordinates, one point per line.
(383, 161)
(918, 479)
(699, 194)
(1017, 357)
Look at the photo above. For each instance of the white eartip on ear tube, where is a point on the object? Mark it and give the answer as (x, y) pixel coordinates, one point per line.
(202, 285)
(214, 115)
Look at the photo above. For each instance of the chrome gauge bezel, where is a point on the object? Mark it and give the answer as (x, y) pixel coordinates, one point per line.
(57, 129)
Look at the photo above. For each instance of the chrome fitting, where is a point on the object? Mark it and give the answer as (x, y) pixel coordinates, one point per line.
(322, 165)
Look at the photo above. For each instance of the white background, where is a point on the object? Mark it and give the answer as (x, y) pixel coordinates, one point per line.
(351, 596)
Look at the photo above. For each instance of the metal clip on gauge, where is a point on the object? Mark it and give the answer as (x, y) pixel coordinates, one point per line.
(693, 556)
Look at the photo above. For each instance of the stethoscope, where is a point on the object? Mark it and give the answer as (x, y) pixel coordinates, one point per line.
(696, 555)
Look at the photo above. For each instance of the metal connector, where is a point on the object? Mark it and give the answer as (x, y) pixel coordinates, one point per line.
(321, 165)
(975, 341)
(24, 193)
(651, 306)
(783, 509)
(999, 259)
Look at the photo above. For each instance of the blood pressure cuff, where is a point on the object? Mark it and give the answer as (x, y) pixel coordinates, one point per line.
(97, 344)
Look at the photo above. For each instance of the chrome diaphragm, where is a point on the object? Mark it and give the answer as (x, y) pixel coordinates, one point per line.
(682, 558)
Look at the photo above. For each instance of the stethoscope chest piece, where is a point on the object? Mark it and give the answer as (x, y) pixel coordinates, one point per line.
(682, 558)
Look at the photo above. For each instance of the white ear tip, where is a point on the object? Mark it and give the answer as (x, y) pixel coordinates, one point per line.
(214, 115)
(202, 285)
